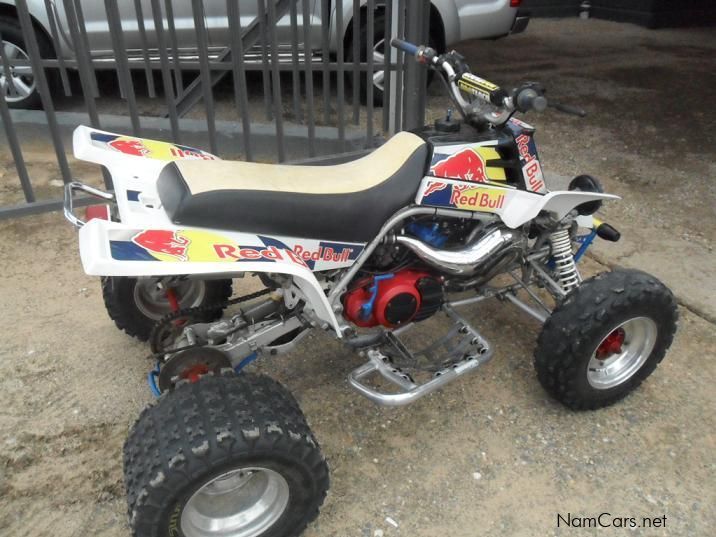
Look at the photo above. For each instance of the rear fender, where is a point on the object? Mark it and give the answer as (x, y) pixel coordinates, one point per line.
(111, 149)
(134, 164)
(113, 249)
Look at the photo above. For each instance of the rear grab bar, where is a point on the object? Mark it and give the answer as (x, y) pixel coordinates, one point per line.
(68, 206)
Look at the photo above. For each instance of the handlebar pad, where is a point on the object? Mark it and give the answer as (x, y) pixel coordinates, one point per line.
(406, 47)
(484, 89)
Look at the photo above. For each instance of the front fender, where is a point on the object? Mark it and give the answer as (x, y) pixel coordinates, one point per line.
(514, 207)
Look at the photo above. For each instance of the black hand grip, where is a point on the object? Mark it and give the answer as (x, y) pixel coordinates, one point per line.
(528, 99)
(406, 47)
(567, 109)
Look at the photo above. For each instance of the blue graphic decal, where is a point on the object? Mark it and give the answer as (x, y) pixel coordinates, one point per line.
(128, 251)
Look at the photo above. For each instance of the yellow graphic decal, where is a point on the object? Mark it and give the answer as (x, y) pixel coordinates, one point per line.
(493, 173)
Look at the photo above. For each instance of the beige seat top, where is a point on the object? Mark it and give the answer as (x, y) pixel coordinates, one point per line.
(361, 174)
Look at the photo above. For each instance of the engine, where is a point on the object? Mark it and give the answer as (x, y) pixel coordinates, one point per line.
(393, 299)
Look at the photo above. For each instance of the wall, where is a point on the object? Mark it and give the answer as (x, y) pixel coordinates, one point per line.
(649, 13)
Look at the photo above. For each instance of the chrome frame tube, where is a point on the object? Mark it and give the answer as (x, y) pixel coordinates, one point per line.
(401, 215)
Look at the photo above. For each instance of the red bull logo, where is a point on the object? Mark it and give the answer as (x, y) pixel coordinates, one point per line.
(434, 186)
(466, 164)
(165, 242)
(130, 146)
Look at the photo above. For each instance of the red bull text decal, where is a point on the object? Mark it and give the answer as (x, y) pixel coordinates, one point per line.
(297, 255)
(204, 246)
(531, 169)
(464, 196)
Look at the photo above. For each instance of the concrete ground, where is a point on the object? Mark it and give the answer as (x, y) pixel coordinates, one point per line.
(489, 455)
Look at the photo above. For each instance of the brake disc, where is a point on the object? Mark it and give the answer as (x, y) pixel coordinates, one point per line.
(190, 365)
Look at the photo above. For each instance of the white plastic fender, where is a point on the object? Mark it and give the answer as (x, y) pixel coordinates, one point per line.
(515, 207)
(191, 251)
(134, 164)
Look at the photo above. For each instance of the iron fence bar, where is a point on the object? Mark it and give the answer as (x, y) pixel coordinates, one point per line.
(145, 48)
(355, 29)
(123, 72)
(276, 82)
(295, 74)
(86, 46)
(81, 52)
(176, 63)
(86, 76)
(308, 58)
(62, 68)
(423, 84)
(43, 88)
(11, 135)
(203, 49)
(399, 83)
(265, 76)
(193, 92)
(340, 98)
(414, 81)
(237, 63)
(42, 206)
(224, 66)
(325, 24)
(166, 72)
(387, 53)
(370, 38)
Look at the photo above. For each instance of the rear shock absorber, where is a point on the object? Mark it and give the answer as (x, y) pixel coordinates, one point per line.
(565, 267)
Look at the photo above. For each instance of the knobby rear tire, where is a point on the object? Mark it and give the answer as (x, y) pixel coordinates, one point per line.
(203, 430)
(118, 295)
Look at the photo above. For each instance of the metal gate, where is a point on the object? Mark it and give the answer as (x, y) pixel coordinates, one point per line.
(268, 80)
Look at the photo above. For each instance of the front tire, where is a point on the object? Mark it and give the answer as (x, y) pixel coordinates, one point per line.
(135, 304)
(607, 336)
(223, 456)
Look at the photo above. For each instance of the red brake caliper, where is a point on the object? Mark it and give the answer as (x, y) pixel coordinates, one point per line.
(173, 299)
(194, 373)
(612, 344)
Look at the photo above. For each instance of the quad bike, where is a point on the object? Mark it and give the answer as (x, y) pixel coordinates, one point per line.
(432, 221)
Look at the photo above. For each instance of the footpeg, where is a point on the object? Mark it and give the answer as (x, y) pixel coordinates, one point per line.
(464, 347)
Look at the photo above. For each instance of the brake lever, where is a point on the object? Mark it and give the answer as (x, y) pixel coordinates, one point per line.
(567, 109)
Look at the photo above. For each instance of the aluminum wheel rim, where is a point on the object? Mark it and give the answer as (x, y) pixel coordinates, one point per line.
(241, 503)
(379, 58)
(21, 83)
(152, 301)
(610, 371)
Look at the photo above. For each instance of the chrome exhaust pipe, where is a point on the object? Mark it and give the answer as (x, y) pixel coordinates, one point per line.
(471, 259)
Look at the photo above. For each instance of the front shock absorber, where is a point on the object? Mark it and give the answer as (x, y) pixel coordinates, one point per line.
(564, 265)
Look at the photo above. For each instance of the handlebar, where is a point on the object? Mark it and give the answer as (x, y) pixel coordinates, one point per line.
(568, 109)
(529, 96)
(405, 46)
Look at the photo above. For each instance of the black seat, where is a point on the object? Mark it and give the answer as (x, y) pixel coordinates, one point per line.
(347, 202)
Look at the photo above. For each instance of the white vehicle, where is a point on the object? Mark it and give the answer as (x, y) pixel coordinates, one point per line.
(450, 21)
(432, 221)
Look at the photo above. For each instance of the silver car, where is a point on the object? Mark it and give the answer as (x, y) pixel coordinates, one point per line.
(450, 21)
